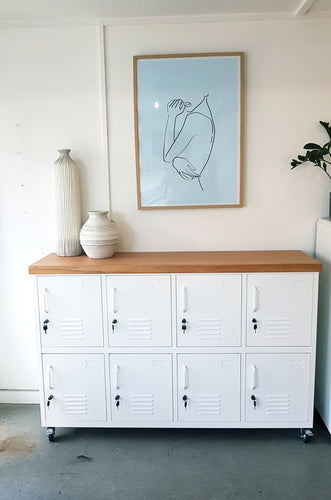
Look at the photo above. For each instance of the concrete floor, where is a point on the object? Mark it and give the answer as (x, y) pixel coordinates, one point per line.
(147, 464)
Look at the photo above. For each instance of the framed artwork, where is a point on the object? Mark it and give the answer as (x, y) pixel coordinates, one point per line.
(189, 130)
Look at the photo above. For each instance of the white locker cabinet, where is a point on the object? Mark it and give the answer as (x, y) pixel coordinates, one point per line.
(209, 387)
(277, 387)
(209, 310)
(323, 366)
(70, 311)
(178, 339)
(141, 388)
(74, 388)
(139, 310)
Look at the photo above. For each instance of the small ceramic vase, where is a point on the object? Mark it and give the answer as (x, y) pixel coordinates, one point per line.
(99, 236)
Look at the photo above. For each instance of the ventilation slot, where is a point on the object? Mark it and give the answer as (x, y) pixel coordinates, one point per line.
(210, 329)
(278, 405)
(75, 404)
(140, 329)
(209, 405)
(72, 329)
(280, 328)
(142, 405)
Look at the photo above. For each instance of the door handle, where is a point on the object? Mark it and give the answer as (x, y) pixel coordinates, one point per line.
(117, 377)
(185, 377)
(255, 291)
(46, 300)
(254, 377)
(184, 299)
(113, 300)
(50, 377)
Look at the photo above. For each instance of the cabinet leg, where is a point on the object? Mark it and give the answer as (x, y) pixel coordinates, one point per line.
(50, 433)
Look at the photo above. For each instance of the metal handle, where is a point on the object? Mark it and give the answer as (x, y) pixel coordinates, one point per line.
(50, 377)
(254, 377)
(184, 299)
(113, 300)
(117, 377)
(185, 377)
(45, 301)
(255, 299)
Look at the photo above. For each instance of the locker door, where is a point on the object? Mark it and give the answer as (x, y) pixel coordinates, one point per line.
(70, 311)
(209, 310)
(139, 310)
(279, 309)
(75, 384)
(141, 387)
(209, 387)
(277, 387)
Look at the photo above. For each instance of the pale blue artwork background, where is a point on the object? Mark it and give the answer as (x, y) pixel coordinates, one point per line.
(158, 82)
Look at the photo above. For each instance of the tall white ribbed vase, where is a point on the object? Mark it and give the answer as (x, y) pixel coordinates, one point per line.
(67, 205)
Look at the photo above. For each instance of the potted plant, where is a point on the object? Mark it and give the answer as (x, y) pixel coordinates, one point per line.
(319, 156)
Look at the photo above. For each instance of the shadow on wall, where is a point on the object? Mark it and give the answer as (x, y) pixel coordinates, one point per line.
(126, 233)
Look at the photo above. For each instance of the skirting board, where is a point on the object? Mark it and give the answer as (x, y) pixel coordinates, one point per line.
(19, 396)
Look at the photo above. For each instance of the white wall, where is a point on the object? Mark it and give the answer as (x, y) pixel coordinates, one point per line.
(287, 91)
(50, 98)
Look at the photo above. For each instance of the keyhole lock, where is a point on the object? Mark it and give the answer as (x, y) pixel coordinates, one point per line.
(184, 325)
(117, 399)
(45, 325)
(253, 398)
(254, 321)
(185, 398)
(49, 400)
(113, 323)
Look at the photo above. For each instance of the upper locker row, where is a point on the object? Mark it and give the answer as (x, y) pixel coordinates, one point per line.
(208, 310)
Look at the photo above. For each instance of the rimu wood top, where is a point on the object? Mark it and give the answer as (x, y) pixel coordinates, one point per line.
(180, 262)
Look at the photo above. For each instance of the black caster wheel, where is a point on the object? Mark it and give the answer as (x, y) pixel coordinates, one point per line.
(50, 433)
(306, 435)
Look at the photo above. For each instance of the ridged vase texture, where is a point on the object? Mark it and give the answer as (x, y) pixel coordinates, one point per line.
(67, 205)
(99, 235)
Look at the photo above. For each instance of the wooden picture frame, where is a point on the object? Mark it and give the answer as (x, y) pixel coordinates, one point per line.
(189, 130)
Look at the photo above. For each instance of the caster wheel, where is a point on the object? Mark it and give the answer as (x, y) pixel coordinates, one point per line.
(305, 438)
(50, 433)
(306, 435)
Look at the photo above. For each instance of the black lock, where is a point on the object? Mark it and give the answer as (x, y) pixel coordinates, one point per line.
(45, 325)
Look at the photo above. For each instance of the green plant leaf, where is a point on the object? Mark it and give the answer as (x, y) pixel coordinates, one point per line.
(311, 145)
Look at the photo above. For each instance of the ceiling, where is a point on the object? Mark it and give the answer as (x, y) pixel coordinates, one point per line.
(37, 10)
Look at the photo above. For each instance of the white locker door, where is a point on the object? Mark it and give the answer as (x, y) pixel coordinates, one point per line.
(141, 387)
(209, 387)
(74, 388)
(277, 387)
(209, 310)
(139, 310)
(70, 311)
(279, 309)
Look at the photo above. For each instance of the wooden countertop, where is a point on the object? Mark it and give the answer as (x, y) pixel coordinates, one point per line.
(180, 262)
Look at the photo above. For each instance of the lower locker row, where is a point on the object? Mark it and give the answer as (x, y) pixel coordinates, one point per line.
(94, 389)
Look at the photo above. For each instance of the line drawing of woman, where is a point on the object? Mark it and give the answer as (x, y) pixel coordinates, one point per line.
(189, 138)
